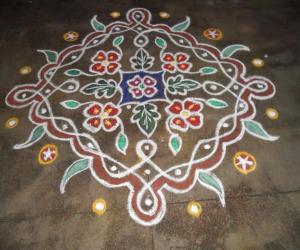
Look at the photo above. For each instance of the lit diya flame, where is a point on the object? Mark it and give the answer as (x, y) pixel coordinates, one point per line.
(194, 209)
(99, 206)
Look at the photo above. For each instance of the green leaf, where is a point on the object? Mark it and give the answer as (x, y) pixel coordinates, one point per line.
(230, 50)
(70, 104)
(51, 55)
(146, 116)
(208, 70)
(122, 143)
(178, 85)
(73, 72)
(76, 167)
(101, 88)
(141, 60)
(256, 129)
(175, 144)
(118, 40)
(160, 42)
(97, 26)
(183, 25)
(211, 181)
(216, 103)
(35, 135)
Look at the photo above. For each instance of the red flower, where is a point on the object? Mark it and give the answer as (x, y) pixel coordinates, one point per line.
(99, 116)
(140, 87)
(185, 114)
(177, 62)
(105, 62)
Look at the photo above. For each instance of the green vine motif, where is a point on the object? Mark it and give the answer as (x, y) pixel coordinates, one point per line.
(141, 60)
(77, 72)
(179, 85)
(100, 88)
(146, 116)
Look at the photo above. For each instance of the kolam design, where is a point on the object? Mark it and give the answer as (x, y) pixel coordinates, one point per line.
(156, 120)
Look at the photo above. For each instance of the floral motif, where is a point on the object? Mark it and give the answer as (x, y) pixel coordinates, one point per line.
(140, 87)
(101, 117)
(178, 62)
(105, 62)
(185, 114)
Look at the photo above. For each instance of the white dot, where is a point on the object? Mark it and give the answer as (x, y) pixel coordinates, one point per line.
(90, 145)
(128, 106)
(206, 146)
(236, 87)
(147, 171)
(204, 54)
(194, 209)
(47, 91)
(148, 202)
(140, 41)
(266, 56)
(43, 111)
(241, 105)
(65, 126)
(178, 172)
(225, 125)
(213, 87)
(147, 147)
(260, 86)
(139, 28)
(181, 40)
(95, 41)
(229, 70)
(24, 95)
(113, 168)
(99, 206)
(73, 57)
(70, 87)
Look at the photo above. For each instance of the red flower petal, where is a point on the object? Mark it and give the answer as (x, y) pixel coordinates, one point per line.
(137, 93)
(100, 56)
(181, 58)
(111, 110)
(98, 67)
(112, 56)
(94, 110)
(150, 91)
(149, 81)
(134, 82)
(175, 108)
(168, 57)
(169, 67)
(192, 106)
(194, 120)
(112, 67)
(109, 123)
(183, 66)
(94, 122)
(179, 122)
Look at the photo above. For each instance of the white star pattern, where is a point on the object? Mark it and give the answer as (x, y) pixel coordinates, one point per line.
(244, 162)
(70, 36)
(212, 33)
(47, 155)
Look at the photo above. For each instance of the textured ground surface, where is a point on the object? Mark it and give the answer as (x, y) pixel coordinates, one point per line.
(262, 209)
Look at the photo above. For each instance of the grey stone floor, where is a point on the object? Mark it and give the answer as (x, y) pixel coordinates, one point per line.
(263, 208)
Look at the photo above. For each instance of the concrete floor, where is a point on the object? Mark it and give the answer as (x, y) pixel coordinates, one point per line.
(262, 209)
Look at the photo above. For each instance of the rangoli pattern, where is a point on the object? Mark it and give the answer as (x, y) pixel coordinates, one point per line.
(154, 81)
